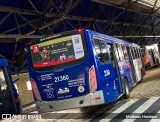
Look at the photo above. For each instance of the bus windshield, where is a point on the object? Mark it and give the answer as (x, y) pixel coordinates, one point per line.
(57, 51)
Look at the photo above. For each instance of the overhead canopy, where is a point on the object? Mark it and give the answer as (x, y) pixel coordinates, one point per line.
(150, 3)
(24, 20)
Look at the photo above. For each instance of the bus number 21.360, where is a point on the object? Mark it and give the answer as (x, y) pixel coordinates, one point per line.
(61, 78)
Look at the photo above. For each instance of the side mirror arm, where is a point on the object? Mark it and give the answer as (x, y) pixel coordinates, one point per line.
(12, 67)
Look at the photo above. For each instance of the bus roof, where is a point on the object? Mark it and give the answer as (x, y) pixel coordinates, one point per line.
(112, 38)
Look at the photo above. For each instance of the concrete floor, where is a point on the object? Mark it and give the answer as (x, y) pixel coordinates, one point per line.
(150, 86)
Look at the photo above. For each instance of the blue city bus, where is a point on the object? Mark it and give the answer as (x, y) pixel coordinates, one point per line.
(82, 68)
(9, 98)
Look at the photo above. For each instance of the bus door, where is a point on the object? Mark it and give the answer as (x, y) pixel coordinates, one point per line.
(109, 76)
(153, 56)
(139, 62)
(115, 68)
(135, 64)
(120, 62)
(129, 50)
(7, 104)
(141, 57)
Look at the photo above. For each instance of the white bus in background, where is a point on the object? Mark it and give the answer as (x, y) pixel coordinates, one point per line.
(151, 55)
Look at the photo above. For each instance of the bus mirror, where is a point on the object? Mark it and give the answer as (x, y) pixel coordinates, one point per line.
(16, 72)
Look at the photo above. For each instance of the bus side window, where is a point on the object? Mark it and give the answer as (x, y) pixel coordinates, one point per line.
(104, 51)
(136, 50)
(125, 52)
(119, 49)
(136, 53)
(139, 55)
(97, 49)
(122, 48)
(117, 52)
(133, 54)
(111, 49)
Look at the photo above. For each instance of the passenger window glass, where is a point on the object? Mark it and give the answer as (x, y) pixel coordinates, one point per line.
(140, 53)
(120, 52)
(102, 50)
(121, 49)
(116, 52)
(111, 49)
(125, 52)
(133, 53)
(136, 53)
(97, 49)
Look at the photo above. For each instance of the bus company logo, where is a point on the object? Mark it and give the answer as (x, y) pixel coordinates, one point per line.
(81, 89)
(45, 77)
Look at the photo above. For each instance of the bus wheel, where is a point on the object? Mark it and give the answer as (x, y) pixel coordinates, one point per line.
(126, 89)
(142, 75)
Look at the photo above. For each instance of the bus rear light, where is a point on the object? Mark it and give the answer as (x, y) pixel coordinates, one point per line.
(79, 30)
(92, 79)
(35, 90)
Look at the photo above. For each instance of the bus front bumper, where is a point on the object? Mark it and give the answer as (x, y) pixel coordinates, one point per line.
(87, 100)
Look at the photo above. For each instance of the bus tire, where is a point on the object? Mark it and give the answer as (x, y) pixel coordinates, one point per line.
(126, 89)
(142, 75)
